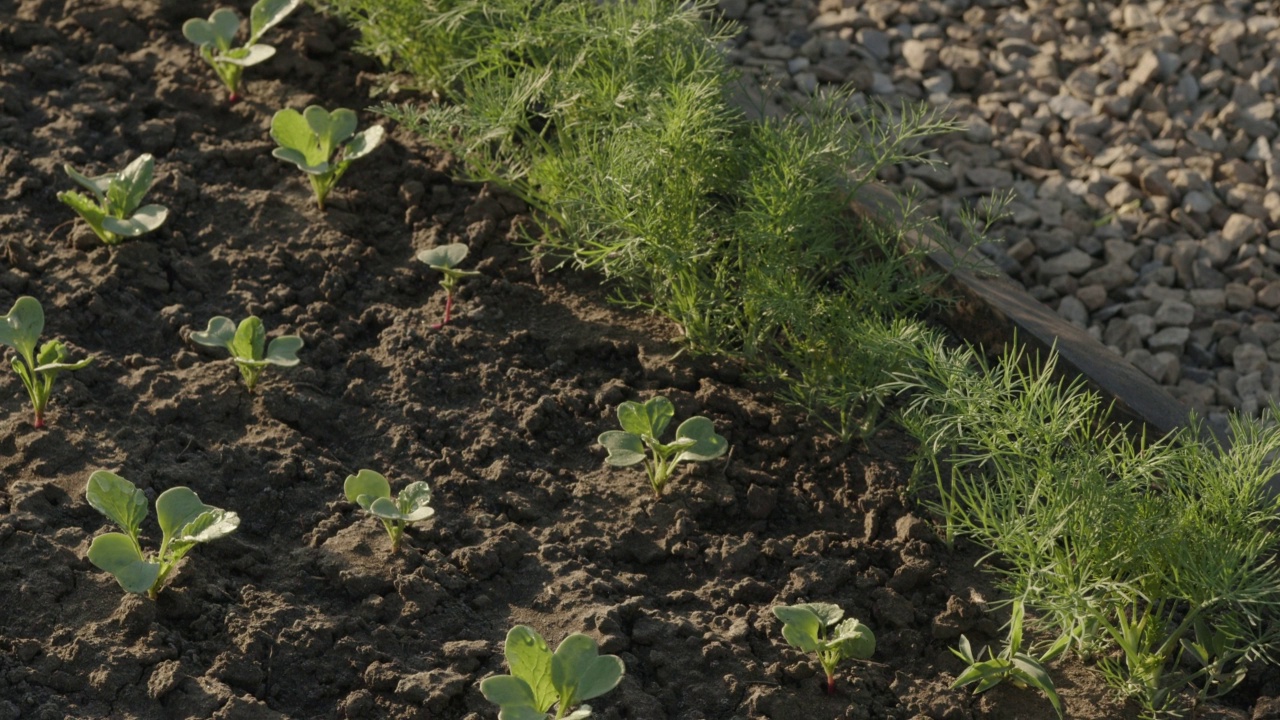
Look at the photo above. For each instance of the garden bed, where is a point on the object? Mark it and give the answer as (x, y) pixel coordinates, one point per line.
(303, 613)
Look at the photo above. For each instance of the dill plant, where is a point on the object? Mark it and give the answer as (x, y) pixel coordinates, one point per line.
(1153, 557)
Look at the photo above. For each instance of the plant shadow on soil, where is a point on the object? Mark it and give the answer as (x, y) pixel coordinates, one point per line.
(303, 613)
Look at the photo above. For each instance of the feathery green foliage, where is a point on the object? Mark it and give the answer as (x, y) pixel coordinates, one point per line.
(1162, 550)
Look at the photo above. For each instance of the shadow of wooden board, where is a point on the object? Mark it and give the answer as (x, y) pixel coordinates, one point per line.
(995, 312)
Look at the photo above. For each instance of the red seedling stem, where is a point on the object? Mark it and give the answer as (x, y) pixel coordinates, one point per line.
(448, 312)
(39, 421)
(831, 685)
(233, 99)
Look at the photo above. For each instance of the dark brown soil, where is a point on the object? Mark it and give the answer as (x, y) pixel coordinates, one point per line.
(303, 613)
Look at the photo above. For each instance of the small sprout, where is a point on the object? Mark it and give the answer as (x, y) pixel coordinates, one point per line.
(539, 679)
(812, 627)
(113, 212)
(184, 523)
(322, 144)
(1019, 668)
(20, 330)
(372, 492)
(215, 35)
(247, 345)
(642, 424)
(446, 258)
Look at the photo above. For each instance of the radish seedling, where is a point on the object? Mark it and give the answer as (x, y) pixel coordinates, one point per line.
(812, 627)
(576, 672)
(642, 424)
(20, 330)
(446, 259)
(113, 212)
(184, 523)
(247, 345)
(372, 492)
(322, 144)
(215, 35)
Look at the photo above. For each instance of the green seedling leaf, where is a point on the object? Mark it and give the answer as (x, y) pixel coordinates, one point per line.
(705, 445)
(363, 143)
(146, 219)
(854, 640)
(220, 333)
(21, 328)
(119, 555)
(118, 499)
(444, 257)
(246, 56)
(388, 509)
(298, 144)
(283, 351)
(580, 673)
(800, 626)
(218, 31)
(331, 128)
(133, 182)
(624, 448)
(414, 501)
(366, 483)
(266, 14)
(642, 427)
(86, 208)
(529, 659)
(250, 340)
(828, 614)
(208, 525)
(650, 418)
(513, 696)
(98, 186)
(321, 143)
(178, 507)
(114, 212)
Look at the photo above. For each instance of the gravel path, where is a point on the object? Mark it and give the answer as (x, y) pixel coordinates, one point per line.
(1139, 140)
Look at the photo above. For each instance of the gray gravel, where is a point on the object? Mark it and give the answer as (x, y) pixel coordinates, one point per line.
(1139, 140)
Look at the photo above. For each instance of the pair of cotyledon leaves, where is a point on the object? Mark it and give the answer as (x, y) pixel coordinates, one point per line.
(219, 31)
(539, 679)
(372, 492)
(644, 423)
(309, 139)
